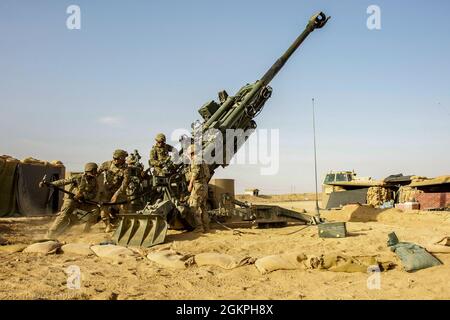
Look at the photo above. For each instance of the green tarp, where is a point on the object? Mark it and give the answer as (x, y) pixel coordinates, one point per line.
(8, 181)
(19, 189)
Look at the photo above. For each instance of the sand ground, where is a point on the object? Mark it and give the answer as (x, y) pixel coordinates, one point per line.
(32, 276)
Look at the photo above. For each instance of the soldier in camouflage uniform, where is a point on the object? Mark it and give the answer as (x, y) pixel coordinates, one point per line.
(198, 187)
(113, 176)
(132, 186)
(159, 155)
(84, 187)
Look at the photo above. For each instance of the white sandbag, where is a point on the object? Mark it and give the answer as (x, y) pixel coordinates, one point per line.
(436, 248)
(221, 260)
(111, 251)
(443, 241)
(46, 247)
(13, 248)
(171, 259)
(285, 261)
(77, 248)
(439, 245)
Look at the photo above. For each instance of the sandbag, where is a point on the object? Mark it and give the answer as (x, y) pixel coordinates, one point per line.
(47, 247)
(77, 248)
(438, 245)
(377, 195)
(408, 194)
(31, 160)
(443, 241)
(8, 158)
(13, 248)
(436, 248)
(56, 163)
(343, 263)
(285, 261)
(221, 260)
(414, 257)
(171, 259)
(111, 251)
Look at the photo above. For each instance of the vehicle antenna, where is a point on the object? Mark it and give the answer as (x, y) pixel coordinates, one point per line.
(315, 161)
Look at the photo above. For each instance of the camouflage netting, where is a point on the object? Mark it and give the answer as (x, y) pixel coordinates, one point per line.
(376, 196)
(408, 194)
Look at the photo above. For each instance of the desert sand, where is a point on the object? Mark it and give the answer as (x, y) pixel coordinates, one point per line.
(34, 276)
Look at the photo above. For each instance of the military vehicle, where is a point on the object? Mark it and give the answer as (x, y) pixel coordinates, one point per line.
(342, 187)
(167, 200)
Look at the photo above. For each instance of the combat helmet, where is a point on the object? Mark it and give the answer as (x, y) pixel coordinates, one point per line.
(160, 137)
(119, 153)
(90, 166)
(131, 159)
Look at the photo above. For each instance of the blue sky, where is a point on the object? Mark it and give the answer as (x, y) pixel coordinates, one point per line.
(140, 67)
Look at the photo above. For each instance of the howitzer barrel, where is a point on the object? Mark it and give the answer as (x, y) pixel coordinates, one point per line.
(317, 21)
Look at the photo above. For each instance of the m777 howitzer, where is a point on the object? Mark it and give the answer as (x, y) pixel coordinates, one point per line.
(148, 226)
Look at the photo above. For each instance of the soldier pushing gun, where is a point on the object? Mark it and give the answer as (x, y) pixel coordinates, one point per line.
(83, 190)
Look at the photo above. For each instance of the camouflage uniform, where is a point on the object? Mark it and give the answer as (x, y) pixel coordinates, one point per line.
(85, 187)
(158, 158)
(199, 194)
(159, 155)
(113, 180)
(131, 188)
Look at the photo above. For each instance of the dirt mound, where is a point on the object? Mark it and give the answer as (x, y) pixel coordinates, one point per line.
(363, 213)
(277, 197)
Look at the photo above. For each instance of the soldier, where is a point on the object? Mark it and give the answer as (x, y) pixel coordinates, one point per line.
(84, 187)
(198, 187)
(159, 155)
(113, 175)
(132, 186)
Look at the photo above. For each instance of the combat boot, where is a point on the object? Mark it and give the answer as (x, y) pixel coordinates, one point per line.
(198, 229)
(198, 224)
(205, 222)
